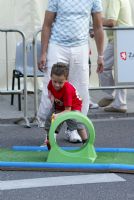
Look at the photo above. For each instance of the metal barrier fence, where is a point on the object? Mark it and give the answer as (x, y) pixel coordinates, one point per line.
(118, 85)
(127, 86)
(7, 91)
(35, 73)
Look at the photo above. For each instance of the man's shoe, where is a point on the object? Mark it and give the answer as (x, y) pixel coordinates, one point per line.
(40, 123)
(105, 102)
(73, 136)
(112, 109)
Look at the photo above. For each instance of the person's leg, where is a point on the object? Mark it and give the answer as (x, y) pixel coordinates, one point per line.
(83, 134)
(74, 124)
(47, 127)
(79, 73)
(106, 77)
(55, 54)
(116, 98)
(120, 99)
(92, 105)
(119, 104)
(71, 132)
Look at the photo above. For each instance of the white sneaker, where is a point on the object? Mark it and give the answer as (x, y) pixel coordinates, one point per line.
(93, 105)
(41, 123)
(73, 136)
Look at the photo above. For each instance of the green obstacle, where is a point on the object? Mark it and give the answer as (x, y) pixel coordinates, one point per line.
(85, 154)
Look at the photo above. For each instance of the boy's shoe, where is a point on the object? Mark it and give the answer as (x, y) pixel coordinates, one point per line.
(46, 143)
(73, 136)
(93, 105)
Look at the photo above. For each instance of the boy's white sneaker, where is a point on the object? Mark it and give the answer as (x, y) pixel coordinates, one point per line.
(73, 136)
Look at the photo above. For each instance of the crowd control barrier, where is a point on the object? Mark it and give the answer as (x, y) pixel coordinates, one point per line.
(35, 73)
(7, 90)
(123, 59)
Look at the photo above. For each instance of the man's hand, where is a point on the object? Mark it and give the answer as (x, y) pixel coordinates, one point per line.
(91, 33)
(100, 63)
(42, 63)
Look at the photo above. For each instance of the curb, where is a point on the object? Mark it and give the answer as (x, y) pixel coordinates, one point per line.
(92, 115)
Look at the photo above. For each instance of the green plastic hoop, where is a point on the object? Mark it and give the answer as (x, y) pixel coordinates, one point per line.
(85, 154)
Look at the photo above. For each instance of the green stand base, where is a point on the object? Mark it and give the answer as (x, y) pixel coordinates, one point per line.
(81, 155)
(86, 154)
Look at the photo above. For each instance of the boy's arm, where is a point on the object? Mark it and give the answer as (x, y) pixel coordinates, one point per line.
(67, 109)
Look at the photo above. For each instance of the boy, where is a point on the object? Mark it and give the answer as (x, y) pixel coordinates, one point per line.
(64, 98)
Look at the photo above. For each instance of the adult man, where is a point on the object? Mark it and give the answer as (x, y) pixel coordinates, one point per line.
(118, 13)
(65, 39)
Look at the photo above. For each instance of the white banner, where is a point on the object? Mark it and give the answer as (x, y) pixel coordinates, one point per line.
(26, 16)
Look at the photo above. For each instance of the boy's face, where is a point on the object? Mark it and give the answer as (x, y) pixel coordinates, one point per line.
(58, 81)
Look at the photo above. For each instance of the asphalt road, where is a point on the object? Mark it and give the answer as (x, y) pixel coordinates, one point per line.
(68, 185)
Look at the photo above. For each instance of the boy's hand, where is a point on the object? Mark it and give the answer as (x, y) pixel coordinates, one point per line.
(54, 116)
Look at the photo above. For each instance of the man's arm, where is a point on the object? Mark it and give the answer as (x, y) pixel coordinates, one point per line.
(99, 39)
(109, 22)
(45, 35)
(112, 10)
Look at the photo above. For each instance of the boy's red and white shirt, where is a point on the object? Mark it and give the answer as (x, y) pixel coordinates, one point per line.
(67, 96)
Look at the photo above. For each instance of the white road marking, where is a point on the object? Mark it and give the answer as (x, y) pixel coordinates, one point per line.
(8, 125)
(113, 119)
(60, 181)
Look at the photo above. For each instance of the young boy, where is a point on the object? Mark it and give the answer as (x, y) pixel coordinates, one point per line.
(64, 98)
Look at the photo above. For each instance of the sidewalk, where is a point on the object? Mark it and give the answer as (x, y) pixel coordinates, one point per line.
(9, 114)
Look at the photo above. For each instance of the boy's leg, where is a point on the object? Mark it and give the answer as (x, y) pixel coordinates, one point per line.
(47, 127)
(73, 125)
(83, 133)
